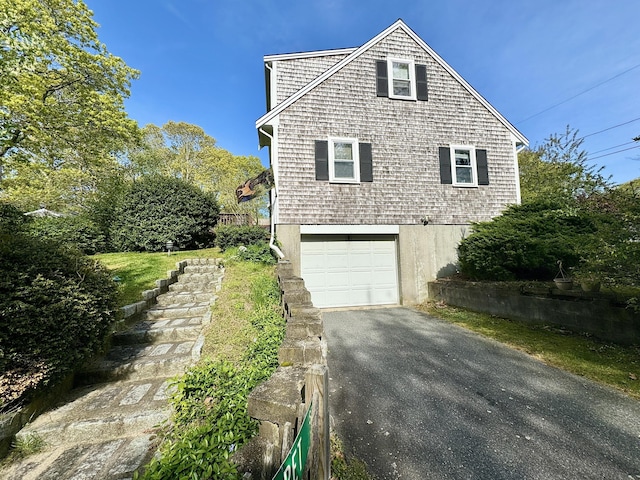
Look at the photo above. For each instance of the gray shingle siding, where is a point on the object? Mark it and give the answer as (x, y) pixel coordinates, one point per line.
(293, 74)
(405, 136)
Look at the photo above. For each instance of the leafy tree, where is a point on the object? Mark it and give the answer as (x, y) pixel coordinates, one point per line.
(185, 151)
(71, 186)
(557, 171)
(158, 209)
(61, 91)
(614, 256)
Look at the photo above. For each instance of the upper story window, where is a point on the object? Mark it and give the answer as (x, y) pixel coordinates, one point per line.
(402, 79)
(463, 168)
(344, 162)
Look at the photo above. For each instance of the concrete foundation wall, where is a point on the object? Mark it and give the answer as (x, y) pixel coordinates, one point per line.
(289, 238)
(592, 313)
(426, 252)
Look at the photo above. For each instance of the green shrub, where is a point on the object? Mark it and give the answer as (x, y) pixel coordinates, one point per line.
(158, 209)
(78, 231)
(526, 242)
(56, 308)
(259, 253)
(235, 236)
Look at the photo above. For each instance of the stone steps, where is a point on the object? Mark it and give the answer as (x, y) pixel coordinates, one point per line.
(113, 411)
(133, 362)
(104, 429)
(177, 311)
(182, 298)
(169, 330)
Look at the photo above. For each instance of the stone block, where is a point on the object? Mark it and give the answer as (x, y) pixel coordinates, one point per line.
(140, 306)
(276, 400)
(301, 327)
(301, 352)
(149, 295)
(298, 297)
(128, 310)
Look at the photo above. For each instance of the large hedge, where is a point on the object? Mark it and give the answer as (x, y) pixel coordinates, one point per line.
(56, 307)
(158, 209)
(237, 235)
(79, 231)
(526, 242)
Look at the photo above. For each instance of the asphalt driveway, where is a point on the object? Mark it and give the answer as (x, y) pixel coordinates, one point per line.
(418, 398)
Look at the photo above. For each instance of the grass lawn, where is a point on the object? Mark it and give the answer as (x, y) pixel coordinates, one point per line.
(139, 271)
(603, 362)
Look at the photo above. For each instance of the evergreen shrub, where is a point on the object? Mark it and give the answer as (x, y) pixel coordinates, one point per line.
(56, 308)
(78, 231)
(236, 235)
(526, 242)
(159, 209)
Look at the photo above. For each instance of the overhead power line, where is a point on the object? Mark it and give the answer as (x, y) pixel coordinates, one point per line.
(578, 94)
(613, 153)
(611, 148)
(611, 128)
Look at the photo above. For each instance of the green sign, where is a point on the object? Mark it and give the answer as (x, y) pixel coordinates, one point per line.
(293, 465)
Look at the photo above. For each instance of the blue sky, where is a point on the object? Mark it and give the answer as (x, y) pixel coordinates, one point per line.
(544, 64)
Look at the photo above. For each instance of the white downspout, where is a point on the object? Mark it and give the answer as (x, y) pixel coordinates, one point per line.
(272, 244)
(516, 150)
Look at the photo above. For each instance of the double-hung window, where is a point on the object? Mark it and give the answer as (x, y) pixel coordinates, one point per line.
(402, 81)
(463, 166)
(344, 161)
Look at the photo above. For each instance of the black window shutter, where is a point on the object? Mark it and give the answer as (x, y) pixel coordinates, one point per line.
(483, 169)
(422, 92)
(322, 160)
(382, 79)
(445, 165)
(366, 163)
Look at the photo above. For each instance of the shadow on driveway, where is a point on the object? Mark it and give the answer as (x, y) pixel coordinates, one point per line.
(419, 398)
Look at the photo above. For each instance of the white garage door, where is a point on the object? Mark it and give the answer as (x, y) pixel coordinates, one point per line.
(350, 270)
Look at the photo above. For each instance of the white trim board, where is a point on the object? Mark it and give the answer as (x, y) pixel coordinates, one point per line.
(349, 229)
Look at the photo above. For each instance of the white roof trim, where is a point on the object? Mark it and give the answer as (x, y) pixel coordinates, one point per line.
(317, 53)
(349, 229)
(267, 117)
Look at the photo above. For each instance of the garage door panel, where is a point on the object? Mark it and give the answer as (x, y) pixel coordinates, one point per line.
(350, 271)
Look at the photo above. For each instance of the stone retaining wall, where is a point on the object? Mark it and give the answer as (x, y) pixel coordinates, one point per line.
(12, 422)
(280, 403)
(593, 313)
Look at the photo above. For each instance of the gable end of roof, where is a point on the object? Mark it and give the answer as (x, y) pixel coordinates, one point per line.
(357, 52)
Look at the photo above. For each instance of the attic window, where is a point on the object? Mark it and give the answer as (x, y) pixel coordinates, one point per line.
(401, 79)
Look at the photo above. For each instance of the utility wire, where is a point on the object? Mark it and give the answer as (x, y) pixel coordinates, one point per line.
(577, 94)
(613, 153)
(611, 128)
(611, 148)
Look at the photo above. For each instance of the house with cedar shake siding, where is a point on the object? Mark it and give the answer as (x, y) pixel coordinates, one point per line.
(382, 156)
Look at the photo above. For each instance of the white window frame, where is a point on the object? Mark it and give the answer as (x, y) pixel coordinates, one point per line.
(412, 78)
(355, 151)
(474, 166)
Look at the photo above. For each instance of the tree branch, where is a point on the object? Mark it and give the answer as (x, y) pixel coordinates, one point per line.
(11, 143)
